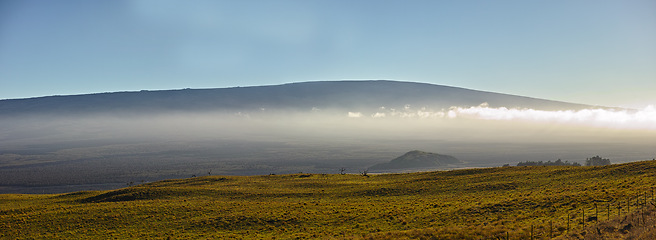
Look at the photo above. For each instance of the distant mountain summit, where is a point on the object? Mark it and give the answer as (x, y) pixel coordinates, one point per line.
(417, 159)
(361, 96)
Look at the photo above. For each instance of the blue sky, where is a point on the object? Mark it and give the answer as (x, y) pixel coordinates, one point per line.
(593, 52)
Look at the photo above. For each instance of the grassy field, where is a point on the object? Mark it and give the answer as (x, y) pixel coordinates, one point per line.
(460, 204)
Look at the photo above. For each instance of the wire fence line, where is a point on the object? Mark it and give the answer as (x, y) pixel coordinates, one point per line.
(629, 206)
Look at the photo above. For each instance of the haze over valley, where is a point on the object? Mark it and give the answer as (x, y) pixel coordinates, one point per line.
(109, 140)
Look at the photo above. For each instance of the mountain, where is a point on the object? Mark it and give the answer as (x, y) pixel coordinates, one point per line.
(417, 159)
(352, 95)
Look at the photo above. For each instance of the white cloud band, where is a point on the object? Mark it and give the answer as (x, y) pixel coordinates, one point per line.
(634, 119)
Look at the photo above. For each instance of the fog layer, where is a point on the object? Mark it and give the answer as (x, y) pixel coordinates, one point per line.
(45, 150)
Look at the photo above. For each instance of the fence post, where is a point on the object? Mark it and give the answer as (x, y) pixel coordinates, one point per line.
(642, 208)
(531, 231)
(642, 213)
(608, 216)
(568, 223)
(596, 213)
(638, 205)
(583, 215)
(550, 229)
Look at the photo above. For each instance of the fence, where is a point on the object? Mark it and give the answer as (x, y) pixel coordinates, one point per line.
(590, 214)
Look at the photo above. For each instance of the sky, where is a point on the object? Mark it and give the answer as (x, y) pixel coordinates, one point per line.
(584, 51)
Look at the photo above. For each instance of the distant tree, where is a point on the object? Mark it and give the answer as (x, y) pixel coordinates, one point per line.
(529, 163)
(597, 161)
(365, 173)
(558, 162)
(342, 170)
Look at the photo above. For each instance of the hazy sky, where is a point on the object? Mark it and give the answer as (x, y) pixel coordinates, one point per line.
(593, 52)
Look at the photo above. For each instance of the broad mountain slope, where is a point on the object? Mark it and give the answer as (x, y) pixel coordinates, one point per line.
(417, 159)
(352, 95)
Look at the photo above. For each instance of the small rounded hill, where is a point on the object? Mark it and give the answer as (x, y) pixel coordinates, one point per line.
(417, 159)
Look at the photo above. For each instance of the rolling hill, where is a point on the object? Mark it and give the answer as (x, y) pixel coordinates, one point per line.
(609, 202)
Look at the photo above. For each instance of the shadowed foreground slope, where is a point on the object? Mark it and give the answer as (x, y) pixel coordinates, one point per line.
(459, 204)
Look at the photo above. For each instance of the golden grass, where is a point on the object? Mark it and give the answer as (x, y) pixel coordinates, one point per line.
(460, 204)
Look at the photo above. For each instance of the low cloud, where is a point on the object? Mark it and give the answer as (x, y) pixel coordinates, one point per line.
(354, 114)
(632, 119)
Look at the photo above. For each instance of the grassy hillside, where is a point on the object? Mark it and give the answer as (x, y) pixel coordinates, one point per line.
(462, 204)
